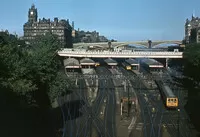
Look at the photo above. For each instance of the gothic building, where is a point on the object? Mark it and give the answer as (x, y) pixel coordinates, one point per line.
(34, 28)
(192, 25)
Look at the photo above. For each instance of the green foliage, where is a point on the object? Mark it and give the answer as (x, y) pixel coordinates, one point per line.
(46, 66)
(33, 71)
(193, 36)
(59, 86)
(44, 62)
(184, 41)
(13, 68)
(192, 63)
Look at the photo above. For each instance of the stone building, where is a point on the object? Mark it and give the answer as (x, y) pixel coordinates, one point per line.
(192, 25)
(34, 27)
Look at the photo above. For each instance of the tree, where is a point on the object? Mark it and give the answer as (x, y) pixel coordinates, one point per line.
(192, 64)
(31, 71)
(192, 80)
(184, 41)
(193, 37)
(30, 79)
(45, 66)
(13, 68)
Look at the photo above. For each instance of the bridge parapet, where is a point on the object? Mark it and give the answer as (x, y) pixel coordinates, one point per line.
(117, 54)
(119, 44)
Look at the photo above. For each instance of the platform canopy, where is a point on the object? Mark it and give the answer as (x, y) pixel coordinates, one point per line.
(153, 63)
(111, 62)
(132, 62)
(71, 63)
(87, 61)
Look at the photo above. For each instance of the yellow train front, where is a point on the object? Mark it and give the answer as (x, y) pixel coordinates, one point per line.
(97, 64)
(126, 66)
(171, 102)
(169, 99)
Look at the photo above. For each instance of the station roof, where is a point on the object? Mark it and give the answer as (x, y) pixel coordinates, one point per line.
(71, 63)
(87, 61)
(152, 63)
(110, 61)
(132, 62)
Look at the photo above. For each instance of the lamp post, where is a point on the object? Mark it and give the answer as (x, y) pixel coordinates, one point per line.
(178, 133)
(128, 98)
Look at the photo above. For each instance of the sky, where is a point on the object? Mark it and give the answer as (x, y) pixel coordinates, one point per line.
(123, 20)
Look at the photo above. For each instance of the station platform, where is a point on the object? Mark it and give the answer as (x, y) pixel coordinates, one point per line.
(132, 62)
(153, 63)
(110, 62)
(88, 71)
(152, 66)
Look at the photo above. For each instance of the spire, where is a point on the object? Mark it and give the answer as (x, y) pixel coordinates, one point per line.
(33, 6)
(193, 13)
(73, 25)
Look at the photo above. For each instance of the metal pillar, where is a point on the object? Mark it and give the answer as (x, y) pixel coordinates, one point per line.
(166, 64)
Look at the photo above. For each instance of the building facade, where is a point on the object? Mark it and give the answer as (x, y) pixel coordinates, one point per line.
(88, 37)
(34, 27)
(191, 26)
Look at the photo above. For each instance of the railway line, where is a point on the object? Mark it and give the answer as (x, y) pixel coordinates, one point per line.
(153, 124)
(154, 115)
(110, 109)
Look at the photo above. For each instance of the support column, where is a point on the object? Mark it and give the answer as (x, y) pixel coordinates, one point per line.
(166, 64)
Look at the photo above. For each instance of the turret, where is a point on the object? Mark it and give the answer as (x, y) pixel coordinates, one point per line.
(32, 14)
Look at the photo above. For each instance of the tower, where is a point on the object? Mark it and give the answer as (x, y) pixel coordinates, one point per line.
(188, 28)
(32, 14)
(73, 25)
(149, 42)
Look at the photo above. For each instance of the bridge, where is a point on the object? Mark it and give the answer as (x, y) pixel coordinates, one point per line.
(119, 54)
(121, 44)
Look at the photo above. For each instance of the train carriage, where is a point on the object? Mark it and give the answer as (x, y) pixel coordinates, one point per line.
(170, 100)
(97, 64)
(134, 64)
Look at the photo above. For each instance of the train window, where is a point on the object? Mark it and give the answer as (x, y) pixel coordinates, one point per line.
(168, 100)
(174, 100)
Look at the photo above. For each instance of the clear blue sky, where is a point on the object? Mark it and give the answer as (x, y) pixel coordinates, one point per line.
(124, 20)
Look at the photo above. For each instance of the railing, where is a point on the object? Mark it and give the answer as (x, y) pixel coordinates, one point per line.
(78, 53)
